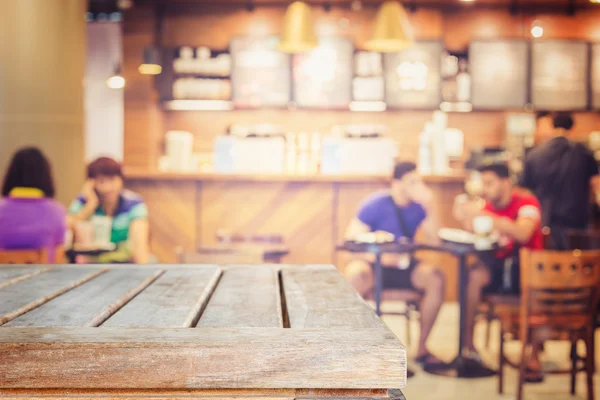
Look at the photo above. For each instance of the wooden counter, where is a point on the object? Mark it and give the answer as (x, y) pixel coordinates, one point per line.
(139, 174)
(197, 332)
(311, 212)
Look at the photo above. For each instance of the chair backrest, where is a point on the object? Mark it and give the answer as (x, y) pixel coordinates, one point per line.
(219, 258)
(583, 239)
(559, 282)
(28, 256)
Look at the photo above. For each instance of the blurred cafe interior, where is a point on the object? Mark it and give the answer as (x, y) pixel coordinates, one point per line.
(271, 131)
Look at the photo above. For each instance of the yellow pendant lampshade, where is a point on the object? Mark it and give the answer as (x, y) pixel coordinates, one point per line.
(392, 32)
(298, 33)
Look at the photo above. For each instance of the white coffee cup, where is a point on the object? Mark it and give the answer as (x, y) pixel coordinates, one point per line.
(483, 225)
(102, 229)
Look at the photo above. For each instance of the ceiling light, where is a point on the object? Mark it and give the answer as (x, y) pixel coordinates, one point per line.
(392, 32)
(151, 64)
(116, 81)
(537, 31)
(298, 34)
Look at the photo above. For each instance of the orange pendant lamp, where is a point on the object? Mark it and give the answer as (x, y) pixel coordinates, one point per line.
(298, 33)
(392, 31)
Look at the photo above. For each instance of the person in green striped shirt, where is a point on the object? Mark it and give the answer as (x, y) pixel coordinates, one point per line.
(103, 195)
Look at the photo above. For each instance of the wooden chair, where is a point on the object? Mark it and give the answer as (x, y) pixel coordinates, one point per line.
(559, 295)
(492, 303)
(218, 258)
(28, 256)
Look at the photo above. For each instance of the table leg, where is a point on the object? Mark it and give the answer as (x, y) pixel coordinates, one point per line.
(378, 282)
(462, 367)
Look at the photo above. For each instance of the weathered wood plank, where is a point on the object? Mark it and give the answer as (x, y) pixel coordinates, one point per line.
(174, 300)
(249, 358)
(208, 394)
(10, 276)
(321, 298)
(81, 306)
(16, 300)
(245, 297)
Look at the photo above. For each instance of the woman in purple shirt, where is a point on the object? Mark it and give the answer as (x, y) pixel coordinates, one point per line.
(29, 216)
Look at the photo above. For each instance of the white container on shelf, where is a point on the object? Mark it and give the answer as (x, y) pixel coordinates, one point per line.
(357, 156)
(179, 148)
(252, 155)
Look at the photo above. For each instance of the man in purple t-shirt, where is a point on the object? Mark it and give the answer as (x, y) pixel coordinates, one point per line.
(401, 211)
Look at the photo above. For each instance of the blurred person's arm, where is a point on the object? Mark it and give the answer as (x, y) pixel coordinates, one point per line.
(139, 234)
(464, 210)
(520, 230)
(355, 229)
(431, 224)
(82, 211)
(139, 238)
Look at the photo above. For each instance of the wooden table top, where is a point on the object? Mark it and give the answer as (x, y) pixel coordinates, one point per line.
(191, 327)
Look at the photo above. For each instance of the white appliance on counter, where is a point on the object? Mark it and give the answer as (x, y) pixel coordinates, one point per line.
(179, 147)
(249, 155)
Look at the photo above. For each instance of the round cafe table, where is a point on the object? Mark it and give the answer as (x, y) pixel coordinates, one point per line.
(461, 366)
(91, 251)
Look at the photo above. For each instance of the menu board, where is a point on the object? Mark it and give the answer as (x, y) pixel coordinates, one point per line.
(499, 73)
(413, 76)
(261, 74)
(596, 76)
(323, 76)
(559, 75)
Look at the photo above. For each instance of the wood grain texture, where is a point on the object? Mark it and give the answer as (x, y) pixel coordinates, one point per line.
(173, 300)
(172, 211)
(18, 299)
(301, 212)
(81, 305)
(10, 276)
(202, 394)
(206, 393)
(200, 358)
(322, 298)
(245, 297)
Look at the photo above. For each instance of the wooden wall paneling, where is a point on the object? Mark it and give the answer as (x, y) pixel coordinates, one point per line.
(172, 210)
(143, 117)
(301, 212)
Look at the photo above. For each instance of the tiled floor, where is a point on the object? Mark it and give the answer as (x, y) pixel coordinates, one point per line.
(443, 342)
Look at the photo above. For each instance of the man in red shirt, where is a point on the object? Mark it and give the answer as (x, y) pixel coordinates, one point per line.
(516, 217)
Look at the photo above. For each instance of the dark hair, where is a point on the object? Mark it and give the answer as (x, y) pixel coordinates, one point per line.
(542, 114)
(403, 168)
(29, 168)
(563, 120)
(104, 166)
(499, 168)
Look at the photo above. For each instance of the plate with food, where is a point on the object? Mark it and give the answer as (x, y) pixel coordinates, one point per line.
(456, 236)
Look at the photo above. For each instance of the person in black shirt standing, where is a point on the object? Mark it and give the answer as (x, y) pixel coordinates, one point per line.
(560, 173)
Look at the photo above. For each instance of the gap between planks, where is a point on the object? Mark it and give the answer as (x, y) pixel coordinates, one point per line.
(283, 310)
(43, 300)
(23, 277)
(196, 313)
(126, 298)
